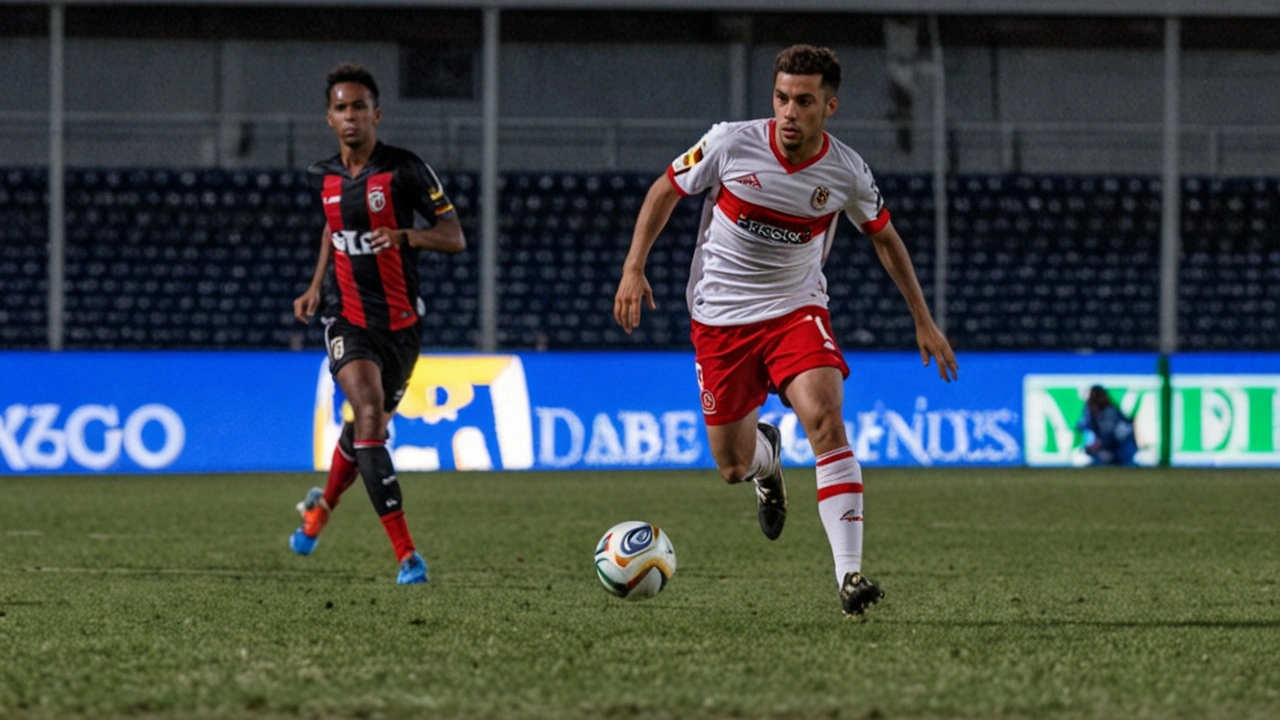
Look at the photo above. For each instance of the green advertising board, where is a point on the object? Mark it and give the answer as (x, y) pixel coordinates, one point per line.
(1226, 420)
(1216, 420)
(1053, 404)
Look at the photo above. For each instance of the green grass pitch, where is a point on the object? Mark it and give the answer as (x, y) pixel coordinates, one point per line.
(1010, 594)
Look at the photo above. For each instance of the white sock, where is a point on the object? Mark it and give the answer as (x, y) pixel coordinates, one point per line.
(840, 507)
(762, 462)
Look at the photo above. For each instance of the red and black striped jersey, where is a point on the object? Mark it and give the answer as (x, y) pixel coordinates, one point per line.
(396, 189)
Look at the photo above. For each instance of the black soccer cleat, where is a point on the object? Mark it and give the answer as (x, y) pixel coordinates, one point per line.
(857, 592)
(771, 490)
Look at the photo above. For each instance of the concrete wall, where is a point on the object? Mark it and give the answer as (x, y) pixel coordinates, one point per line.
(259, 103)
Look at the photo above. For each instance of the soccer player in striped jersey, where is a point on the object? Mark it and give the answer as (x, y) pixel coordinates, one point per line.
(776, 188)
(382, 205)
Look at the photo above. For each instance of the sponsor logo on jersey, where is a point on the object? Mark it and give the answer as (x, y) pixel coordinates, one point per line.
(685, 162)
(749, 180)
(773, 232)
(767, 223)
(352, 242)
(820, 197)
(377, 198)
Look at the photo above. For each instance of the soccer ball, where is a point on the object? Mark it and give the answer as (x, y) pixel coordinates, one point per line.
(634, 560)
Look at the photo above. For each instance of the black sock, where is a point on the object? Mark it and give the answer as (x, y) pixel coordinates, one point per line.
(379, 476)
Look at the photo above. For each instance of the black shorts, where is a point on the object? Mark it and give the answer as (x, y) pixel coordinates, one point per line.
(395, 352)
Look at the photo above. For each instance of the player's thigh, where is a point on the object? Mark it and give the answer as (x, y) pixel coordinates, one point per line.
(356, 358)
(361, 383)
(734, 444)
(807, 367)
(399, 357)
(732, 378)
(799, 341)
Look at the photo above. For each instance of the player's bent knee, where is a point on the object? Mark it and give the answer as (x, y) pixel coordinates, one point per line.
(733, 474)
(368, 424)
(827, 431)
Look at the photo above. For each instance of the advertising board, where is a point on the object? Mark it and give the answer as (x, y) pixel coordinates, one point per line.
(127, 412)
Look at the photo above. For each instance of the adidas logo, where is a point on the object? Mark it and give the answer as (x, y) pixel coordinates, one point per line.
(749, 180)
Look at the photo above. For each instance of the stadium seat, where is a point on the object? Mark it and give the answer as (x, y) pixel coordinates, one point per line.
(1037, 262)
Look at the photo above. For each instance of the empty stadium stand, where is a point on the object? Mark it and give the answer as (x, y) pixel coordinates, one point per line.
(1229, 277)
(205, 258)
(1054, 262)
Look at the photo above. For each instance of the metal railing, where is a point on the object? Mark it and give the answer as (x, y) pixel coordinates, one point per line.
(597, 144)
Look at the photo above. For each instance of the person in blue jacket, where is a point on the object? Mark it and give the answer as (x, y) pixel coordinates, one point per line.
(1108, 432)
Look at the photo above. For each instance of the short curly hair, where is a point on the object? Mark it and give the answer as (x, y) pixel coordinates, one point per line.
(810, 60)
(351, 72)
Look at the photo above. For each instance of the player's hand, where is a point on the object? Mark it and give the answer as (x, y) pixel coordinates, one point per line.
(385, 238)
(306, 305)
(633, 290)
(934, 345)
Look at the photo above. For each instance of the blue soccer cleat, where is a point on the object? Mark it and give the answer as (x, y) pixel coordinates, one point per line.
(315, 513)
(412, 571)
(301, 543)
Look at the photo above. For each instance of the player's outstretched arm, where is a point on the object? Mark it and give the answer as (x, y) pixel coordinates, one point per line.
(633, 288)
(897, 261)
(305, 306)
(443, 237)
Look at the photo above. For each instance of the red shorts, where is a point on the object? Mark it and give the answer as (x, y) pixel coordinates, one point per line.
(739, 364)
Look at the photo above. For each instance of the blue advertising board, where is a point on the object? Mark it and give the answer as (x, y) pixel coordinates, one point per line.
(126, 412)
(153, 411)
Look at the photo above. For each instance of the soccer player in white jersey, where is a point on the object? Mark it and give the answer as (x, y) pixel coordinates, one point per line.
(757, 295)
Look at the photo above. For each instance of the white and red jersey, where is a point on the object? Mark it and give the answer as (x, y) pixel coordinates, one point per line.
(767, 224)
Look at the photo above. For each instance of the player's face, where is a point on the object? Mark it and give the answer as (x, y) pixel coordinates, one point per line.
(801, 108)
(352, 114)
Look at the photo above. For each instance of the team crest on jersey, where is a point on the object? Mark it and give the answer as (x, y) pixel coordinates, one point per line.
(749, 180)
(336, 349)
(377, 199)
(820, 196)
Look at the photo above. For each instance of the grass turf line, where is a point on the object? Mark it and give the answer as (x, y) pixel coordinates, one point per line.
(1011, 593)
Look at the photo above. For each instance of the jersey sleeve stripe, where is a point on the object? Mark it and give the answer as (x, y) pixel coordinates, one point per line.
(671, 175)
(871, 227)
